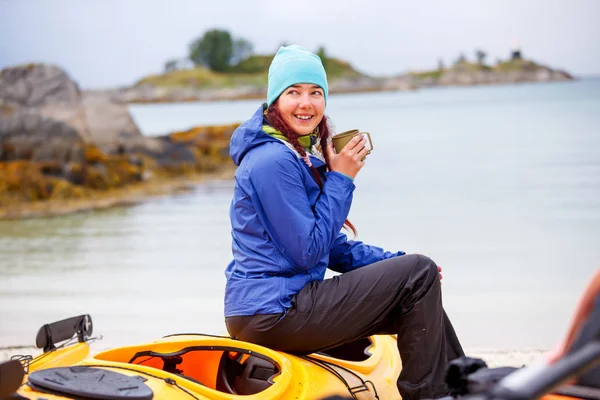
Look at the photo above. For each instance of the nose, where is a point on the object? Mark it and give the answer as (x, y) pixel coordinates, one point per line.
(304, 101)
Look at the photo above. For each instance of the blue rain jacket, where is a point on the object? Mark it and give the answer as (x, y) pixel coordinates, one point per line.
(285, 230)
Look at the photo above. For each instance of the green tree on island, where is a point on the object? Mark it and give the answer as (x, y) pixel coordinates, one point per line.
(213, 50)
(461, 59)
(218, 51)
(480, 55)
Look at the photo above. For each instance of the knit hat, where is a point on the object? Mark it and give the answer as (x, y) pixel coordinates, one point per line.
(291, 65)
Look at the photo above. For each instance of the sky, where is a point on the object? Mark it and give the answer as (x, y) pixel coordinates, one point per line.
(110, 43)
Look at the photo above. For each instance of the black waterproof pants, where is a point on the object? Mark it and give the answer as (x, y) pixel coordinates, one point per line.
(399, 296)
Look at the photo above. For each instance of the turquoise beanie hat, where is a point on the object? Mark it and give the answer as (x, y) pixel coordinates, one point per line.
(291, 65)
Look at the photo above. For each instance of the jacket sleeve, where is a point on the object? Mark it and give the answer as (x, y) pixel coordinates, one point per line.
(347, 255)
(302, 233)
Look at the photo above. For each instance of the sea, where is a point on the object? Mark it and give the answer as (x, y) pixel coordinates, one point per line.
(500, 185)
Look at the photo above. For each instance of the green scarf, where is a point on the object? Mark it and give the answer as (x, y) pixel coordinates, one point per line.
(304, 140)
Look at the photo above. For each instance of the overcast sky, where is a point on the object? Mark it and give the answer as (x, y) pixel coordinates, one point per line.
(105, 43)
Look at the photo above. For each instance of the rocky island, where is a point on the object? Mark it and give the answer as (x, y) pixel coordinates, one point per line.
(248, 79)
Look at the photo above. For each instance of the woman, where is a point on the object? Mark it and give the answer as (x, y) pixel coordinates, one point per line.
(291, 198)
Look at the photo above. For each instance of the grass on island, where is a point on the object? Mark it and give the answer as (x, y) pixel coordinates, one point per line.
(251, 72)
(204, 78)
(516, 65)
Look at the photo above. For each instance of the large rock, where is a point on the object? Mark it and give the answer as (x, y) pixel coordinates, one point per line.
(108, 119)
(45, 90)
(45, 117)
(27, 135)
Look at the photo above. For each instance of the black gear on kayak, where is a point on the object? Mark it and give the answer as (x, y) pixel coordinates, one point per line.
(51, 334)
(466, 375)
(90, 383)
(170, 364)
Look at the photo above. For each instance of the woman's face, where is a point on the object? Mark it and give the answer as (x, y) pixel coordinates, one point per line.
(302, 107)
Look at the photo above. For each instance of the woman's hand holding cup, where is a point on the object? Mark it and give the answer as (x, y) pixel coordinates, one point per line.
(348, 160)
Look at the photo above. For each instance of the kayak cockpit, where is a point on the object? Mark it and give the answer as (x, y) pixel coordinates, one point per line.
(228, 370)
(221, 364)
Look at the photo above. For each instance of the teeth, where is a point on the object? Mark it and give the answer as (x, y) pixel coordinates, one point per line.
(304, 117)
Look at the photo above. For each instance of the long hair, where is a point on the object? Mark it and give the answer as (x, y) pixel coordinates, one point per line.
(275, 119)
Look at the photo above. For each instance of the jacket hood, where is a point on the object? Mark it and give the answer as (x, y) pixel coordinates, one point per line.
(247, 136)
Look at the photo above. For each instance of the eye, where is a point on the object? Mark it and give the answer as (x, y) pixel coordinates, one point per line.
(292, 91)
(317, 93)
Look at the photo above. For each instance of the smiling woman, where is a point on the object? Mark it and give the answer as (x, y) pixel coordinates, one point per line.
(302, 107)
(292, 196)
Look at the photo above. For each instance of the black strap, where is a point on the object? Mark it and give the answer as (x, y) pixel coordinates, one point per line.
(262, 373)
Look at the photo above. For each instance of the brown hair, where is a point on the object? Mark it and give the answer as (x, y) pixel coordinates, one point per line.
(275, 120)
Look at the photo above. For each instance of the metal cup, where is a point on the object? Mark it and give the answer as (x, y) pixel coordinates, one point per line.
(341, 139)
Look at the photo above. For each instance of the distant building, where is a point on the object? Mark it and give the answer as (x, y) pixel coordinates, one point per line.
(178, 64)
(516, 51)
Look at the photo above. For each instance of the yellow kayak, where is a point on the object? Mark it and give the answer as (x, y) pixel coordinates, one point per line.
(197, 366)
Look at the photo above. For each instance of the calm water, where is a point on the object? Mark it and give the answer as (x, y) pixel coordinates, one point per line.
(499, 185)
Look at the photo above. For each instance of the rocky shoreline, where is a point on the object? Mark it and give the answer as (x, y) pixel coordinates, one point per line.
(127, 196)
(63, 150)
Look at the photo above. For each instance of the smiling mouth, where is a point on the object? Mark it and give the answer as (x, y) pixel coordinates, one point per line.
(303, 117)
